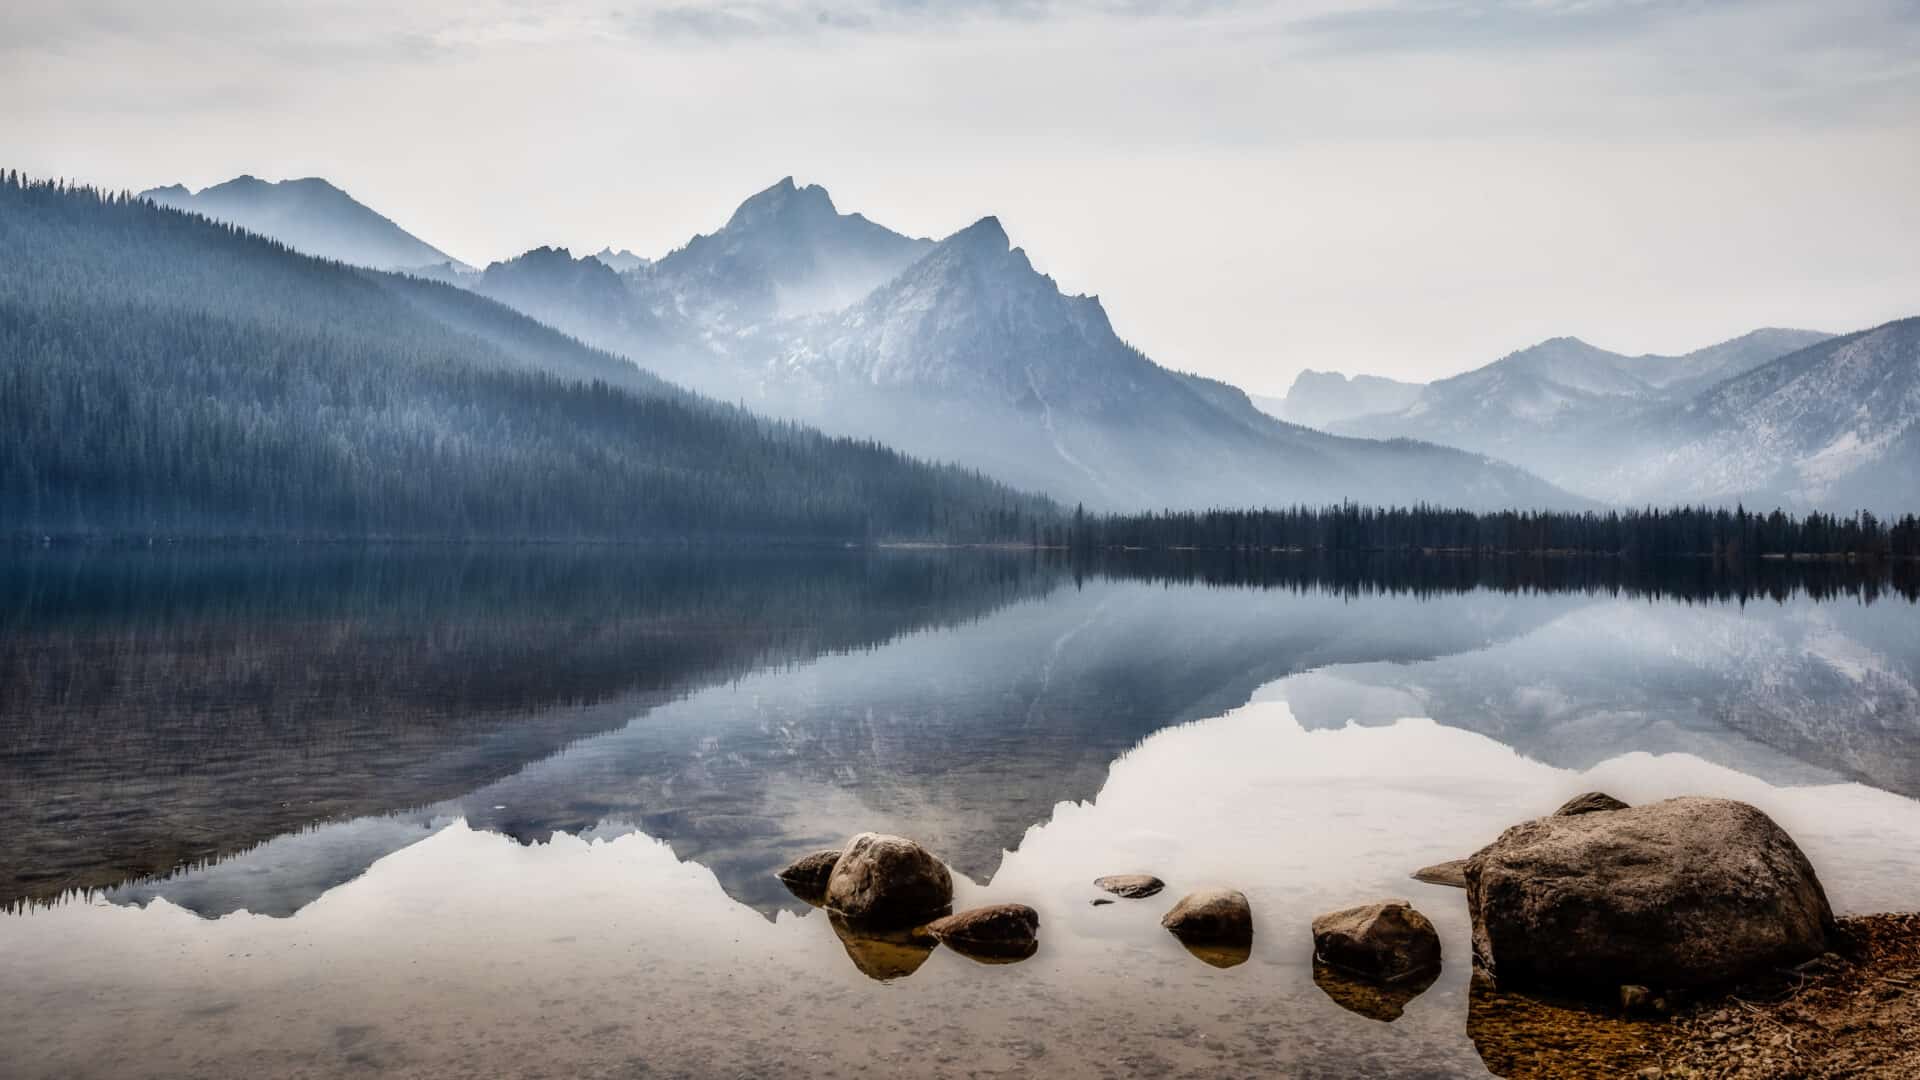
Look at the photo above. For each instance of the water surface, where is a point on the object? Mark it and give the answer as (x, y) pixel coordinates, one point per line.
(441, 812)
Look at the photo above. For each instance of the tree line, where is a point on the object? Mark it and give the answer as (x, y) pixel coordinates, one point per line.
(1735, 535)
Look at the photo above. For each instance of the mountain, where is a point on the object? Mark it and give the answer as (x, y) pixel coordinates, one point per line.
(970, 354)
(162, 374)
(786, 252)
(1695, 371)
(311, 216)
(1553, 407)
(963, 352)
(1319, 398)
(586, 296)
(622, 260)
(1835, 425)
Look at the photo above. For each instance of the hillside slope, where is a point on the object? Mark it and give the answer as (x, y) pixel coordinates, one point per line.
(160, 373)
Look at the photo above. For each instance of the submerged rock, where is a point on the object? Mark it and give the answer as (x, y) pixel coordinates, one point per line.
(1220, 956)
(1682, 893)
(1131, 886)
(880, 953)
(1593, 802)
(1385, 943)
(806, 877)
(1372, 1000)
(1212, 917)
(997, 932)
(1452, 872)
(882, 879)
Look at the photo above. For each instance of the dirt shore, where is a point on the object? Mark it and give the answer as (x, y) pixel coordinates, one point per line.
(1853, 1013)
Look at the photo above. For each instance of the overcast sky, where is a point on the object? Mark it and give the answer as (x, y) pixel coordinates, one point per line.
(1405, 188)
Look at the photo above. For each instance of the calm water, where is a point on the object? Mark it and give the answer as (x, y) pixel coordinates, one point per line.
(439, 812)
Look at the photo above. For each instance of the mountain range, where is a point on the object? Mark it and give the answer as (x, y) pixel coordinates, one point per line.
(1775, 416)
(962, 350)
(165, 374)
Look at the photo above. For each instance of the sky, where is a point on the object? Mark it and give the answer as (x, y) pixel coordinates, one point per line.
(1409, 188)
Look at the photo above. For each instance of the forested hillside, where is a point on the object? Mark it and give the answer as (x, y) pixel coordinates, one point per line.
(162, 374)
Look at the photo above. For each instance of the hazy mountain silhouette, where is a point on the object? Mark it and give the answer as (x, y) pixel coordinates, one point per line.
(311, 216)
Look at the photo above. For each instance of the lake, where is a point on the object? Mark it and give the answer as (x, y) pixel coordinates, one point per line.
(444, 811)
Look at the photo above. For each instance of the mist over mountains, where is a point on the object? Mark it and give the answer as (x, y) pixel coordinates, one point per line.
(962, 350)
(161, 373)
(1773, 417)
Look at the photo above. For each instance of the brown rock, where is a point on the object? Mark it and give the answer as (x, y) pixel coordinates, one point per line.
(1593, 802)
(1211, 917)
(888, 880)
(1681, 893)
(806, 877)
(1385, 943)
(1131, 886)
(1452, 872)
(996, 932)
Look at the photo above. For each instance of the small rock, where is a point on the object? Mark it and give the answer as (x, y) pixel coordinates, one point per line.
(1101, 901)
(1131, 886)
(882, 879)
(1387, 943)
(806, 877)
(997, 931)
(1211, 917)
(1593, 802)
(1452, 872)
(1635, 998)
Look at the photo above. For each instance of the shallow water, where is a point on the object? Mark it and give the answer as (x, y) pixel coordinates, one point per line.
(406, 813)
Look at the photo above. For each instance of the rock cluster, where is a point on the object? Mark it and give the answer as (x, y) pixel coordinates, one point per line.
(1598, 898)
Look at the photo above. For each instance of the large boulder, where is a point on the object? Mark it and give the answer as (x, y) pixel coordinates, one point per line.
(997, 932)
(1211, 917)
(807, 876)
(888, 880)
(1386, 943)
(1682, 893)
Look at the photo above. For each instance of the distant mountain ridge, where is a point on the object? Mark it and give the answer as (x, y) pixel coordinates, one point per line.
(311, 216)
(1320, 398)
(1573, 412)
(1834, 424)
(963, 351)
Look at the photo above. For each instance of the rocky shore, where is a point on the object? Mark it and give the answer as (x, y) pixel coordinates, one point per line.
(1686, 938)
(1854, 1012)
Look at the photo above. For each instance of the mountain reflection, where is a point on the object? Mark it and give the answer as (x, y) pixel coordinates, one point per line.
(260, 727)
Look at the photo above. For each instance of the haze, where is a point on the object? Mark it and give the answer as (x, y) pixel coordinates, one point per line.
(1252, 188)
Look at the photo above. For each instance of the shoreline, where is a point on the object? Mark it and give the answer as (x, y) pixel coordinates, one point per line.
(1854, 1012)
